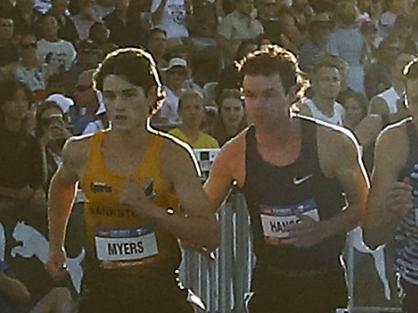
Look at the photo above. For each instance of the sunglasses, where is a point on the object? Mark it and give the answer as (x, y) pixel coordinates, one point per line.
(82, 88)
(29, 45)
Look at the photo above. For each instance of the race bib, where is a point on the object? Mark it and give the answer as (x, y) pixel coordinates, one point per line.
(274, 219)
(125, 244)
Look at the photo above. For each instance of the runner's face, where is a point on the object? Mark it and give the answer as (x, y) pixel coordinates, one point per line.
(265, 99)
(126, 104)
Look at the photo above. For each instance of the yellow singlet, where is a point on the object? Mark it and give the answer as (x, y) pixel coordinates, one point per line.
(123, 246)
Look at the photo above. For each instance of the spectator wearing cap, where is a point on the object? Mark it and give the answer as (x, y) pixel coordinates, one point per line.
(238, 26)
(191, 110)
(8, 53)
(316, 45)
(176, 75)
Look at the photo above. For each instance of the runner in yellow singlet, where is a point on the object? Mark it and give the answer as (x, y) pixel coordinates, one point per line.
(135, 180)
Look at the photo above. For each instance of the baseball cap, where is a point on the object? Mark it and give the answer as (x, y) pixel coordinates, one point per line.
(175, 62)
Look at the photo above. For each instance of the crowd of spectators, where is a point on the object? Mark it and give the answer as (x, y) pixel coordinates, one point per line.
(352, 51)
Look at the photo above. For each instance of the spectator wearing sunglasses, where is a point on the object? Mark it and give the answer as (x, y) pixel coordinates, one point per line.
(86, 103)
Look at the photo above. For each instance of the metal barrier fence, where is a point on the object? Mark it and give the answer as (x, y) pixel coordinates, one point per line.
(224, 284)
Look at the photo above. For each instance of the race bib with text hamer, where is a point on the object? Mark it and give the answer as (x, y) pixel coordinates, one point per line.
(275, 218)
(119, 247)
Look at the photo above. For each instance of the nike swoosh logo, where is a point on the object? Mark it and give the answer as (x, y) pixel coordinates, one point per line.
(298, 181)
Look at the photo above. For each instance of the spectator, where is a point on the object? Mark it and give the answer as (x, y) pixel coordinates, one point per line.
(295, 20)
(52, 50)
(99, 34)
(402, 30)
(326, 84)
(231, 116)
(204, 22)
(191, 110)
(8, 53)
(315, 47)
(125, 29)
(172, 16)
(21, 166)
(369, 31)
(229, 78)
(356, 107)
(85, 18)
(86, 103)
(52, 133)
(391, 101)
(103, 8)
(28, 69)
(24, 16)
(393, 9)
(156, 44)
(102, 120)
(66, 28)
(268, 15)
(176, 74)
(238, 26)
(89, 56)
(378, 76)
(348, 43)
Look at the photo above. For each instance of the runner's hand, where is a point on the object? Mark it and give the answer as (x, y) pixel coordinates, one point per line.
(399, 198)
(137, 196)
(306, 233)
(55, 265)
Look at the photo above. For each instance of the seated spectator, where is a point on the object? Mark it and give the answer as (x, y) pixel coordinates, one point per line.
(176, 75)
(172, 16)
(231, 116)
(28, 69)
(66, 27)
(52, 132)
(156, 45)
(85, 18)
(86, 103)
(315, 47)
(24, 16)
(192, 112)
(356, 107)
(125, 29)
(99, 34)
(229, 78)
(203, 23)
(21, 177)
(8, 53)
(52, 50)
(89, 56)
(294, 21)
(238, 26)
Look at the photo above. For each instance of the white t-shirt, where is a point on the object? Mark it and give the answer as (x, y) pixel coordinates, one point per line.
(336, 119)
(173, 20)
(62, 53)
(169, 107)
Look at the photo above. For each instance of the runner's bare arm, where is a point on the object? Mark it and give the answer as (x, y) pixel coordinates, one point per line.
(388, 197)
(61, 197)
(228, 166)
(347, 167)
